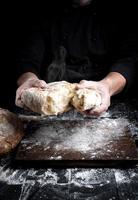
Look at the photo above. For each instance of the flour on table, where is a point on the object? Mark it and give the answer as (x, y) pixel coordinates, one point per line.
(121, 177)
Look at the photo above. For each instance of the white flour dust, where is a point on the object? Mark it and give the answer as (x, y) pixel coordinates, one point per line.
(84, 136)
(21, 176)
(78, 177)
(93, 179)
(121, 177)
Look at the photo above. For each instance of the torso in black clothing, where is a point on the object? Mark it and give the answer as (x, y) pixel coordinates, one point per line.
(80, 44)
(74, 43)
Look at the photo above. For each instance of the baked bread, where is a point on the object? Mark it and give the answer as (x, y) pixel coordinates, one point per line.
(11, 131)
(52, 100)
(86, 99)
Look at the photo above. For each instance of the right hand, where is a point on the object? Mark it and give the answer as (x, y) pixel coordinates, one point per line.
(31, 82)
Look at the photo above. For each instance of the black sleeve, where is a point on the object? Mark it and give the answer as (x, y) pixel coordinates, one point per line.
(126, 52)
(125, 62)
(30, 54)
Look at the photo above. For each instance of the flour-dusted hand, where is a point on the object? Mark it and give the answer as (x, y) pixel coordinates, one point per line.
(111, 85)
(86, 99)
(28, 82)
(52, 100)
(100, 98)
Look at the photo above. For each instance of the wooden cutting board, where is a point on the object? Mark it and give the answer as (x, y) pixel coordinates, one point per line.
(102, 139)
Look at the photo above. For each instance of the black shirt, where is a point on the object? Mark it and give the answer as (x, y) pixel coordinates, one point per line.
(79, 43)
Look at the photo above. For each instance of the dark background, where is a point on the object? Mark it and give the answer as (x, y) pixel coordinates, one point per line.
(18, 20)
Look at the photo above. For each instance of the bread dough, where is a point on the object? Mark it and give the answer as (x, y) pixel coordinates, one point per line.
(11, 131)
(53, 100)
(85, 99)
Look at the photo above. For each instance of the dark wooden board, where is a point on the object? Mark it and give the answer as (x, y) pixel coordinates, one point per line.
(78, 140)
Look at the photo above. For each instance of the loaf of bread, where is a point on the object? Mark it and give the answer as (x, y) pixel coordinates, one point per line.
(11, 131)
(52, 100)
(86, 99)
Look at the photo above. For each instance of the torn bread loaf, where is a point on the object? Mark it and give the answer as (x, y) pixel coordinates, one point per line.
(85, 99)
(11, 131)
(52, 100)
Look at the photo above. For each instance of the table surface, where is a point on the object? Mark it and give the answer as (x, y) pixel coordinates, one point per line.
(89, 183)
(72, 136)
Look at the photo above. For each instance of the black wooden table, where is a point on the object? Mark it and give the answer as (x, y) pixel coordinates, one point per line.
(89, 183)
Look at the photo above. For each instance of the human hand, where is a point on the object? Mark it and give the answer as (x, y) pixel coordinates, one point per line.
(31, 82)
(103, 89)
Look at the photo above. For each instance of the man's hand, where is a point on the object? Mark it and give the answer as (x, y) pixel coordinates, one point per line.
(112, 84)
(103, 90)
(26, 82)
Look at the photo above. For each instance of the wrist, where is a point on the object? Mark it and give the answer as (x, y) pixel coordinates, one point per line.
(115, 82)
(25, 77)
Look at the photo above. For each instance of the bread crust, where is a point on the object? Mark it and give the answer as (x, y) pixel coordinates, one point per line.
(11, 131)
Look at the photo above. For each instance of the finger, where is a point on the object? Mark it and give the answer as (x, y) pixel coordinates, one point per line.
(18, 102)
(105, 99)
(87, 84)
(18, 97)
(102, 108)
(75, 85)
(98, 110)
(86, 112)
(43, 83)
(40, 83)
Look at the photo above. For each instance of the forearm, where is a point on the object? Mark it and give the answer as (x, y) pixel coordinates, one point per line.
(25, 76)
(115, 82)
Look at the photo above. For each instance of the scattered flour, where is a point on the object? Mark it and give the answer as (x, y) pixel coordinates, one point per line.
(76, 176)
(83, 135)
(21, 176)
(91, 177)
(121, 177)
(88, 178)
(56, 158)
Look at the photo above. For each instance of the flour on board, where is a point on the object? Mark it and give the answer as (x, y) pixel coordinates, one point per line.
(83, 137)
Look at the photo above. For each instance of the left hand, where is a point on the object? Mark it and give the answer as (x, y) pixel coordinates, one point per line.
(103, 89)
(31, 82)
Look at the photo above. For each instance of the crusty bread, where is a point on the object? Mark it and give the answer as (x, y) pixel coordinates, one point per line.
(52, 100)
(11, 131)
(85, 99)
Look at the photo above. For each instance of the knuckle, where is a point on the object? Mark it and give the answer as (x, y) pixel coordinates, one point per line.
(83, 81)
(37, 81)
(43, 82)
